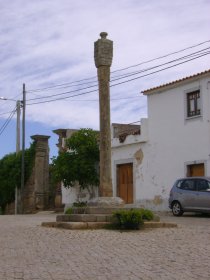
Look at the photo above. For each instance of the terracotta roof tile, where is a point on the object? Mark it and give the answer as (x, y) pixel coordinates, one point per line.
(152, 90)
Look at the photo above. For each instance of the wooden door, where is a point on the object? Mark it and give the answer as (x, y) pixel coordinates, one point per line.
(195, 170)
(125, 182)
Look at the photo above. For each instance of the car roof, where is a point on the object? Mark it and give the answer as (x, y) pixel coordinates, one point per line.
(195, 177)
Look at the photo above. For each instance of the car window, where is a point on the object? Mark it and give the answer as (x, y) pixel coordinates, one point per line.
(179, 183)
(188, 185)
(203, 185)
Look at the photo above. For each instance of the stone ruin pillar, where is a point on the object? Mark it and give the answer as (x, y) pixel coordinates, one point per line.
(41, 171)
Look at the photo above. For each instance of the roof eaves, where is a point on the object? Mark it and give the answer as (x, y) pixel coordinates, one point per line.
(171, 84)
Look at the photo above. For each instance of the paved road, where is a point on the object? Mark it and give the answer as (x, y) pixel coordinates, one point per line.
(31, 252)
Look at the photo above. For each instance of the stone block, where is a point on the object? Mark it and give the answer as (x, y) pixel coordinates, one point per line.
(63, 218)
(98, 225)
(106, 202)
(102, 210)
(103, 51)
(73, 225)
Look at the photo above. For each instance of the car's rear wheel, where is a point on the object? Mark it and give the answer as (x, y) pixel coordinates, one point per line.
(177, 209)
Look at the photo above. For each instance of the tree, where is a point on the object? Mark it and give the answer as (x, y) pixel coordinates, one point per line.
(10, 174)
(79, 164)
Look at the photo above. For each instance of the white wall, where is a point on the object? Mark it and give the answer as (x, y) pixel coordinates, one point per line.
(74, 194)
(173, 141)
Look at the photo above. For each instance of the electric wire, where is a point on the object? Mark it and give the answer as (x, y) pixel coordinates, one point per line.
(195, 54)
(118, 70)
(157, 66)
(6, 113)
(111, 99)
(160, 57)
(91, 100)
(157, 71)
(65, 85)
(112, 85)
(63, 93)
(6, 123)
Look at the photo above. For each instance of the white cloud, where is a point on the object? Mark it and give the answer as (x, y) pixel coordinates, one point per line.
(47, 42)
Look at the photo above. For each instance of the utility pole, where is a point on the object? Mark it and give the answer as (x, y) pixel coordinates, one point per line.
(18, 105)
(23, 150)
(17, 195)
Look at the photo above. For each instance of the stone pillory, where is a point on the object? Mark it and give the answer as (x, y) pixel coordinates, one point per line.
(103, 51)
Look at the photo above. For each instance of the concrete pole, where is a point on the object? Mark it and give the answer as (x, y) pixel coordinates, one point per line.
(23, 152)
(18, 128)
(103, 53)
(17, 151)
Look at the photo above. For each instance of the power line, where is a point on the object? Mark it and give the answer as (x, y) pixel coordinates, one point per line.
(63, 93)
(62, 98)
(160, 57)
(165, 63)
(6, 123)
(65, 85)
(195, 54)
(118, 70)
(111, 99)
(90, 100)
(6, 113)
(157, 71)
(141, 76)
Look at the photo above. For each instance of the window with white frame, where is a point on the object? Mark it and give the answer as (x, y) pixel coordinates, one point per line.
(193, 104)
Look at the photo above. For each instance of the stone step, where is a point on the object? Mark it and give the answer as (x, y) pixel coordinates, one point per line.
(98, 210)
(101, 210)
(84, 218)
(99, 225)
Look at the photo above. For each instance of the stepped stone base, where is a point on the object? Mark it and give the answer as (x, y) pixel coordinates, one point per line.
(97, 214)
(101, 225)
(92, 214)
(76, 225)
(84, 218)
(102, 202)
(99, 210)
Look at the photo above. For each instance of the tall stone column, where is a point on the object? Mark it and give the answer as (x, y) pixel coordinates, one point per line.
(103, 53)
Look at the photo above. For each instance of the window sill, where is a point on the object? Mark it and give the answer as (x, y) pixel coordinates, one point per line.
(193, 117)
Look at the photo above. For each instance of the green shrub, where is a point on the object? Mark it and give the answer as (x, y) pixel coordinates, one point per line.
(77, 208)
(127, 219)
(80, 204)
(10, 174)
(147, 214)
(69, 211)
(130, 218)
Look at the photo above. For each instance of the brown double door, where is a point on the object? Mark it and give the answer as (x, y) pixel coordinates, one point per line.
(125, 182)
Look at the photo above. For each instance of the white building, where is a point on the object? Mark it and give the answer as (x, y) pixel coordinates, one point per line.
(173, 142)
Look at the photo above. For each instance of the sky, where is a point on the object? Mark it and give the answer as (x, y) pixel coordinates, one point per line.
(49, 46)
